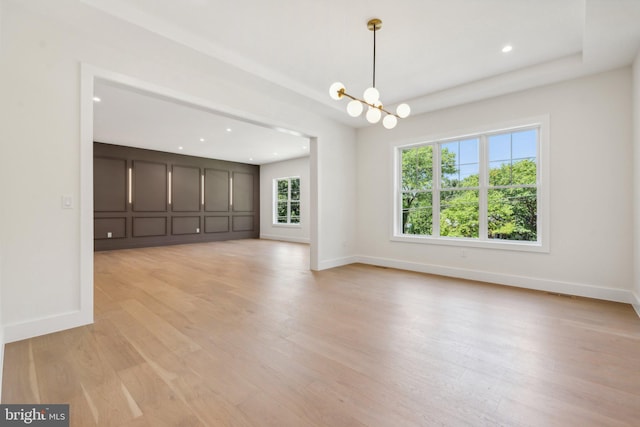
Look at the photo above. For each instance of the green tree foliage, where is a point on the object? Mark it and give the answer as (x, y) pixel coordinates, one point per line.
(295, 200)
(283, 195)
(512, 212)
(417, 184)
(459, 213)
(288, 206)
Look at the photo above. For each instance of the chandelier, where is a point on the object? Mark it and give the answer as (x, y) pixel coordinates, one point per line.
(371, 96)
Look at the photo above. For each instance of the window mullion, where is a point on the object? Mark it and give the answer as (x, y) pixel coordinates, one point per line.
(275, 201)
(435, 190)
(539, 197)
(400, 195)
(483, 181)
(288, 200)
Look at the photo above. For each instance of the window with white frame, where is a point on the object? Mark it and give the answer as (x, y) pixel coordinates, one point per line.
(483, 189)
(286, 203)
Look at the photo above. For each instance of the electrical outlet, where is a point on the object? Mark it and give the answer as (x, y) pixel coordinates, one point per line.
(109, 234)
(463, 253)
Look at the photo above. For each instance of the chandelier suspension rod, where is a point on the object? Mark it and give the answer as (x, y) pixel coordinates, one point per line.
(374, 55)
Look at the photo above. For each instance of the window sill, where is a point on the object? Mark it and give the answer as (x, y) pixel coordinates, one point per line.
(473, 243)
(287, 225)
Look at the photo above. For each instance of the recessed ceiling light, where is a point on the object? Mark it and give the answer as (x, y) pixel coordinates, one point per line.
(250, 159)
(304, 147)
(96, 99)
(180, 148)
(507, 48)
(229, 129)
(201, 139)
(275, 154)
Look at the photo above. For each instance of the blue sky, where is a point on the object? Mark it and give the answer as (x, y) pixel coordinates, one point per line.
(516, 146)
(503, 149)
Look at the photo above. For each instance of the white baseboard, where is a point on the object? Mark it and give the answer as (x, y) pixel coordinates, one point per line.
(568, 288)
(285, 238)
(336, 262)
(1, 363)
(46, 325)
(636, 303)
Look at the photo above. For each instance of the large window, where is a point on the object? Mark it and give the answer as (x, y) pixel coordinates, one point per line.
(481, 189)
(286, 209)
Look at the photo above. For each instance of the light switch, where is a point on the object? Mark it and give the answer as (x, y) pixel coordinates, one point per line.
(67, 202)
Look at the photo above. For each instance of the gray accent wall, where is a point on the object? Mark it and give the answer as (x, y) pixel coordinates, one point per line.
(168, 203)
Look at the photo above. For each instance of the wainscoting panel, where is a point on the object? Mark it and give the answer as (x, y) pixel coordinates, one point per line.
(149, 226)
(185, 189)
(216, 190)
(243, 223)
(242, 192)
(185, 225)
(149, 186)
(216, 224)
(152, 198)
(110, 228)
(110, 189)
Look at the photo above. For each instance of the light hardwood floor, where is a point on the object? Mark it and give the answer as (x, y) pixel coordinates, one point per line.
(241, 333)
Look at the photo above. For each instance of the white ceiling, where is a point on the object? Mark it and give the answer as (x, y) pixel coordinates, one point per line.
(127, 117)
(430, 53)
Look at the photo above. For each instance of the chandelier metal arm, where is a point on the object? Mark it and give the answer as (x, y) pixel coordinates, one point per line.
(342, 93)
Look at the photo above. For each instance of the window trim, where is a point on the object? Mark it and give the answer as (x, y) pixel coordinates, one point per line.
(543, 184)
(274, 210)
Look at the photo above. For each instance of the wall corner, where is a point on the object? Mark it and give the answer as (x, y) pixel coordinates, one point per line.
(635, 113)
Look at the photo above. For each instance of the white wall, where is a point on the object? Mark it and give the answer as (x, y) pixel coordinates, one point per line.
(590, 192)
(41, 148)
(636, 181)
(2, 124)
(290, 233)
(1, 321)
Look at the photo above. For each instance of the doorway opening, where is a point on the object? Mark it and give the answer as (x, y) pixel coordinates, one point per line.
(92, 78)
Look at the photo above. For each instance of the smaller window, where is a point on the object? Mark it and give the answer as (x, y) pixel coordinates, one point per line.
(286, 200)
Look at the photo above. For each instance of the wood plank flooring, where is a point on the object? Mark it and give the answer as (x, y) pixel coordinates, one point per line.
(241, 333)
